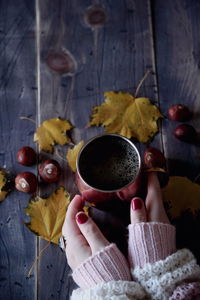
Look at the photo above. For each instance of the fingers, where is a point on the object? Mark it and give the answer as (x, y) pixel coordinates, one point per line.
(153, 187)
(73, 236)
(154, 200)
(70, 227)
(138, 211)
(91, 232)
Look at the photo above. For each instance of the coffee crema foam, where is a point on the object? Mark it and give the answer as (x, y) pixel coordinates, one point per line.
(108, 163)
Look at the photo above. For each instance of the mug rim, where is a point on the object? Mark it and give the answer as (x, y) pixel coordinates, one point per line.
(100, 136)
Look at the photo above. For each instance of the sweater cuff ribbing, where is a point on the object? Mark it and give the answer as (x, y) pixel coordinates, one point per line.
(150, 242)
(106, 265)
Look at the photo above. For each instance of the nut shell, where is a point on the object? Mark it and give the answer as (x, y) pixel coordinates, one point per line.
(26, 156)
(50, 171)
(185, 133)
(26, 182)
(154, 158)
(179, 112)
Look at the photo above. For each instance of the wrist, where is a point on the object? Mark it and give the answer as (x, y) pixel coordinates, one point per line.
(106, 265)
(150, 242)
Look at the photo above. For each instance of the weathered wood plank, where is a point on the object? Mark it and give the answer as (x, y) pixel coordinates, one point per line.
(17, 98)
(113, 56)
(176, 25)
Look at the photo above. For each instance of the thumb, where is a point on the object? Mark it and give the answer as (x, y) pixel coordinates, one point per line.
(138, 211)
(91, 232)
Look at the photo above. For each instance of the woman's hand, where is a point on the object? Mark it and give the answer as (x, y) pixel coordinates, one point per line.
(83, 237)
(151, 237)
(153, 209)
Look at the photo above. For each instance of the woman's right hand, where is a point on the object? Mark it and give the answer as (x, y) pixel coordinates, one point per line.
(151, 237)
(153, 209)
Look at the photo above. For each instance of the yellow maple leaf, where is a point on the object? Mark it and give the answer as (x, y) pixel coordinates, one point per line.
(52, 132)
(72, 155)
(182, 194)
(48, 214)
(86, 209)
(129, 116)
(3, 181)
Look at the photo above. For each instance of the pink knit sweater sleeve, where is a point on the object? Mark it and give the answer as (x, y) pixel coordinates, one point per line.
(151, 251)
(107, 265)
(150, 242)
(189, 291)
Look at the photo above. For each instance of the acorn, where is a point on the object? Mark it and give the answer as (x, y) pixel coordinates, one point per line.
(26, 156)
(50, 171)
(185, 133)
(180, 113)
(154, 158)
(26, 182)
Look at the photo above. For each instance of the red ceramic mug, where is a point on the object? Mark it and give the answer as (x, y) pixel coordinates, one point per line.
(108, 165)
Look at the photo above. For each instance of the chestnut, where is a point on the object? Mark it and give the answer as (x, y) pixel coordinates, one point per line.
(185, 133)
(50, 171)
(154, 158)
(26, 156)
(179, 112)
(26, 182)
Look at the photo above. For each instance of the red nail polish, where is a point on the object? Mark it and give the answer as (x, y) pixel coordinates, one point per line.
(136, 203)
(81, 218)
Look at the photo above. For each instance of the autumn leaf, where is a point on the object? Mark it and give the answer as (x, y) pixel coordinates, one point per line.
(126, 115)
(3, 182)
(52, 132)
(72, 155)
(86, 209)
(48, 214)
(182, 194)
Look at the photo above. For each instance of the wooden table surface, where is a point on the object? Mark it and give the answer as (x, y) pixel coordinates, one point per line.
(135, 36)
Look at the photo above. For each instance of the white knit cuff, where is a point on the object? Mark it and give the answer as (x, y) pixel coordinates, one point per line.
(124, 290)
(161, 278)
(106, 265)
(149, 242)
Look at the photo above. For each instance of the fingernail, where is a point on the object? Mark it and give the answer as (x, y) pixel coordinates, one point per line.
(136, 203)
(81, 218)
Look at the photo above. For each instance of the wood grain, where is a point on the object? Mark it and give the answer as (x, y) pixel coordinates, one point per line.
(176, 26)
(113, 55)
(178, 72)
(18, 93)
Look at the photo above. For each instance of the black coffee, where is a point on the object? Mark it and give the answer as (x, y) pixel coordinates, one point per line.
(108, 163)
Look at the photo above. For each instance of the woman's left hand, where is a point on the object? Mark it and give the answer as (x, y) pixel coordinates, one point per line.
(83, 237)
